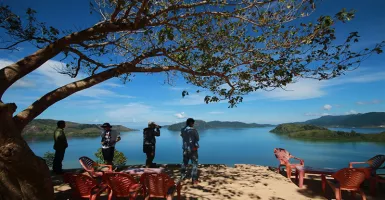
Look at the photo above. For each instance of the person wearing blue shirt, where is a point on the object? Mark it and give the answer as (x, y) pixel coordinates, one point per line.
(190, 147)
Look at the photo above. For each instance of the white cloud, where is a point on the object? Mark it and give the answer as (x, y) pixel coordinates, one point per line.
(181, 115)
(101, 93)
(89, 104)
(178, 88)
(127, 111)
(24, 84)
(327, 107)
(369, 102)
(216, 112)
(310, 88)
(136, 111)
(113, 85)
(300, 90)
(361, 78)
(4, 63)
(351, 112)
(316, 114)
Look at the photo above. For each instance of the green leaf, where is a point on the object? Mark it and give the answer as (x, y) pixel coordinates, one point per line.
(184, 93)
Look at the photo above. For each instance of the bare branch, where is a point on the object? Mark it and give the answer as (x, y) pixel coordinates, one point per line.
(86, 58)
(10, 47)
(77, 68)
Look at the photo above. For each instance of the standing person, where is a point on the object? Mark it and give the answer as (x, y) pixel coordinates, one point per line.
(60, 146)
(149, 142)
(190, 147)
(109, 139)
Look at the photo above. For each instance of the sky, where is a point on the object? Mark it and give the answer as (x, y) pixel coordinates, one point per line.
(148, 98)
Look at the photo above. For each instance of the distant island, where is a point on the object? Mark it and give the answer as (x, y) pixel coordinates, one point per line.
(312, 132)
(46, 127)
(365, 120)
(202, 125)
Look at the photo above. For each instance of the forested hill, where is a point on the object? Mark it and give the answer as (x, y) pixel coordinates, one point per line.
(46, 127)
(366, 120)
(202, 125)
(316, 133)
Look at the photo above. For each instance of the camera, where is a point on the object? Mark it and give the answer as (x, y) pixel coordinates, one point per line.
(157, 126)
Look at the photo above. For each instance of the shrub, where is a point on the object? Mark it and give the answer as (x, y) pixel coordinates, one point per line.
(119, 157)
(48, 157)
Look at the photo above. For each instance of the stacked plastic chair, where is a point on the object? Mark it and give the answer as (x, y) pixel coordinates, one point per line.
(122, 185)
(84, 186)
(89, 165)
(159, 185)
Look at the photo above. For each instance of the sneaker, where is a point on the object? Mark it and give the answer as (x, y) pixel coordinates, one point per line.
(195, 182)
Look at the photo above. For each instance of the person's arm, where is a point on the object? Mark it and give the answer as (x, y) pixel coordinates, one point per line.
(157, 132)
(118, 138)
(103, 135)
(65, 140)
(196, 135)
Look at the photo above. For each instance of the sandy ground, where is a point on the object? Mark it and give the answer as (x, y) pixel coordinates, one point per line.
(239, 182)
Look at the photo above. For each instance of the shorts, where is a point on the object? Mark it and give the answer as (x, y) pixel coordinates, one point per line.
(108, 153)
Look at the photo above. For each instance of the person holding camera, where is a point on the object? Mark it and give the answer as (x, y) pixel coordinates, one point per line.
(109, 139)
(149, 142)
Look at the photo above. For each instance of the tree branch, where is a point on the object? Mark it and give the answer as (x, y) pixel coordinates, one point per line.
(10, 74)
(118, 8)
(176, 68)
(10, 47)
(35, 109)
(141, 9)
(86, 58)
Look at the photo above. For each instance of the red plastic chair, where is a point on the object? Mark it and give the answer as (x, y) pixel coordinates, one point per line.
(349, 179)
(373, 183)
(373, 165)
(122, 185)
(89, 165)
(283, 157)
(84, 186)
(159, 185)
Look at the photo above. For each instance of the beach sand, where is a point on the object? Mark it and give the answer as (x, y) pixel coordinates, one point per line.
(239, 182)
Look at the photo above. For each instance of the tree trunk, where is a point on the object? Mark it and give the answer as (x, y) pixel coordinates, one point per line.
(23, 175)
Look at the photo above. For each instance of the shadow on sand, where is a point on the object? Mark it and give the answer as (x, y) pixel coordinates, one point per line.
(240, 182)
(312, 188)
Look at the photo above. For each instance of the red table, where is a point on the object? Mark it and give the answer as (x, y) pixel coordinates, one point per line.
(301, 170)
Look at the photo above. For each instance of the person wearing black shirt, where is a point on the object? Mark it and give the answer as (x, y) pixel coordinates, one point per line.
(149, 142)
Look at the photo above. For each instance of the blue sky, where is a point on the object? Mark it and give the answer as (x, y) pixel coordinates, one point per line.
(146, 97)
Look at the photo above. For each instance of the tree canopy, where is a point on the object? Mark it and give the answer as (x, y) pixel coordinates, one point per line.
(230, 48)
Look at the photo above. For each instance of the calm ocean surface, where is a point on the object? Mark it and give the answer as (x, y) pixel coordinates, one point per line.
(225, 146)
